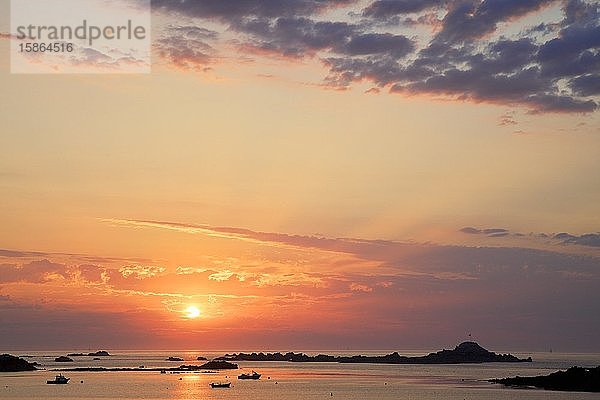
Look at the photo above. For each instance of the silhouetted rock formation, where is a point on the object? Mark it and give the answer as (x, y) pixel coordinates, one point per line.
(200, 358)
(466, 352)
(218, 364)
(174, 359)
(574, 379)
(9, 363)
(63, 359)
(99, 353)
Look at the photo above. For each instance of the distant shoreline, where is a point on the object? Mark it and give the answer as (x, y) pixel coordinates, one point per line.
(464, 353)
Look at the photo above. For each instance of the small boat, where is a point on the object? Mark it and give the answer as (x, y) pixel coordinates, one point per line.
(220, 384)
(59, 379)
(253, 375)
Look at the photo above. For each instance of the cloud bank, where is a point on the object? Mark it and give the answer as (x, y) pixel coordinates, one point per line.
(479, 51)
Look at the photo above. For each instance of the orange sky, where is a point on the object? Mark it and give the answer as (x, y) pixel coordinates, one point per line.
(291, 214)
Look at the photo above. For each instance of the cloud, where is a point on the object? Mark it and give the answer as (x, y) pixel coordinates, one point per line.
(470, 230)
(390, 252)
(141, 271)
(387, 8)
(357, 287)
(464, 59)
(586, 85)
(472, 19)
(379, 43)
(239, 9)
(507, 119)
(44, 271)
(187, 46)
(17, 253)
(588, 239)
(35, 272)
(492, 232)
(330, 288)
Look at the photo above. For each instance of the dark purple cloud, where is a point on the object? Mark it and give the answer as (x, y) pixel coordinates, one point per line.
(587, 239)
(473, 19)
(379, 43)
(460, 61)
(388, 8)
(586, 85)
(296, 37)
(237, 9)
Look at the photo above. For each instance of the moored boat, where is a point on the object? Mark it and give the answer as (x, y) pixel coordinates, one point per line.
(253, 375)
(59, 379)
(220, 384)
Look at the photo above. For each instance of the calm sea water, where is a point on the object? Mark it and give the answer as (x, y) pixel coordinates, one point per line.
(290, 381)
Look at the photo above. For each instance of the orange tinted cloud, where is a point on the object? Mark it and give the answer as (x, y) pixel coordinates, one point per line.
(315, 291)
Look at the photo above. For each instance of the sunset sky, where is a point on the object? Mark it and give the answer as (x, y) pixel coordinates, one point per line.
(311, 174)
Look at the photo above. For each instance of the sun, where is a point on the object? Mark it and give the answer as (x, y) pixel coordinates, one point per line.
(192, 312)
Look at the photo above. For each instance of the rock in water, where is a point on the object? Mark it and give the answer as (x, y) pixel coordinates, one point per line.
(9, 363)
(575, 379)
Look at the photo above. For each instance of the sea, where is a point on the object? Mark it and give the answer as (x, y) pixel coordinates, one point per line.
(285, 380)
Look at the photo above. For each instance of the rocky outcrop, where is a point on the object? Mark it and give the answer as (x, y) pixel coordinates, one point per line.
(99, 353)
(63, 359)
(466, 352)
(219, 364)
(575, 379)
(9, 363)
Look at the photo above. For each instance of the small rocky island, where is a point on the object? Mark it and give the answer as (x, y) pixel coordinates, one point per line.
(219, 364)
(466, 352)
(9, 363)
(63, 359)
(174, 359)
(99, 353)
(575, 379)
